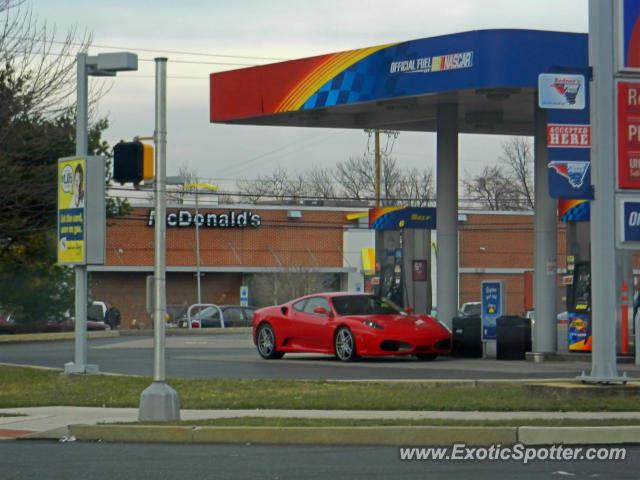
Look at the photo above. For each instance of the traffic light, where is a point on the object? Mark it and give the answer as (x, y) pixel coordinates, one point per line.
(132, 162)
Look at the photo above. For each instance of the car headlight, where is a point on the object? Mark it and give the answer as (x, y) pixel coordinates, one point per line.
(372, 324)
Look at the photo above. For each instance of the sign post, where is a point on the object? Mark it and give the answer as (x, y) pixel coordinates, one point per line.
(602, 225)
(493, 306)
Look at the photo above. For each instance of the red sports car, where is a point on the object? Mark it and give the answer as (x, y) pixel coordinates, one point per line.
(347, 325)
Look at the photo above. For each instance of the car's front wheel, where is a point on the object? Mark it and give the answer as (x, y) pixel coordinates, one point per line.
(345, 345)
(266, 342)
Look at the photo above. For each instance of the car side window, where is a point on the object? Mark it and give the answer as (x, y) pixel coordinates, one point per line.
(316, 302)
(248, 314)
(299, 306)
(233, 315)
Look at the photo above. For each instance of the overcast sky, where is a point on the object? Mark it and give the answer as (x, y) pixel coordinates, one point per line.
(252, 32)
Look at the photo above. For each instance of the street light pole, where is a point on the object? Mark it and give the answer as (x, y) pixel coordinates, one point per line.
(198, 252)
(210, 187)
(104, 64)
(80, 351)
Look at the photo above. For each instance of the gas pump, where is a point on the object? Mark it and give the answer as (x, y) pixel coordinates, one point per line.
(579, 308)
(391, 282)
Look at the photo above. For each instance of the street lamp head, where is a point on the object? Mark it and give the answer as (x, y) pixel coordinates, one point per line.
(107, 64)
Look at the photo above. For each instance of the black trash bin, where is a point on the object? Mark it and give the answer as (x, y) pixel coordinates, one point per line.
(513, 337)
(467, 337)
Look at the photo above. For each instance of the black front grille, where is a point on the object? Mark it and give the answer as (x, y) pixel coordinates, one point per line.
(395, 346)
(443, 344)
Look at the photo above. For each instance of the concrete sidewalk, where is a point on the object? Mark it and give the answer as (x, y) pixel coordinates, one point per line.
(98, 424)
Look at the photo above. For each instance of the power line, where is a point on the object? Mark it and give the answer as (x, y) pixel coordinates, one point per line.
(176, 52)
(298, 144)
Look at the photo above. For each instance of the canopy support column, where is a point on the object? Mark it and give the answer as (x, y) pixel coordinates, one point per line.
(545, 244)
(447, 213)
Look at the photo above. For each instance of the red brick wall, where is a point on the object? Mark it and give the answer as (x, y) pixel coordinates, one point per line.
(127, 291)
(501, 241)
(130, 241)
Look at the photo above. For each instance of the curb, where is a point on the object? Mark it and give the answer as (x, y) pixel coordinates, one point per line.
(55, 336)
(52, 337)
(298, 435)
(381, 436)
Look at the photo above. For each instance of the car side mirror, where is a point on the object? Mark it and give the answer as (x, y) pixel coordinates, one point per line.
(408, 310)
(322, 311)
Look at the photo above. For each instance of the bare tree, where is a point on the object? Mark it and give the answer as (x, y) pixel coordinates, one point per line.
(321, 183)
(264, 187)
(492, 190)
(356, 177)
(188, 176)
(416, 187)
(40, 68)
(509, 185)
(517, 156)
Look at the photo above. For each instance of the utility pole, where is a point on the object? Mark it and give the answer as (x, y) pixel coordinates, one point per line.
(377, 159)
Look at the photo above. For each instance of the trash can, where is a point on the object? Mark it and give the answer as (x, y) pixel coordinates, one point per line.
(467, 337)
(513, 337)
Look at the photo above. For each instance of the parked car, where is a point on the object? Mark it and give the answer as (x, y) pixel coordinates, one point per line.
(233, 316)
(562, 317)
(347, 325)
(7, 323)
(70, 326)
(469, 309)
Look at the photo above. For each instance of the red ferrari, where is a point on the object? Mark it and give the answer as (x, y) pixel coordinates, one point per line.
(347, 325)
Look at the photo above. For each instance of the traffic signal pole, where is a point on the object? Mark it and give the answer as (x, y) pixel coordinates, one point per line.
(160, 402)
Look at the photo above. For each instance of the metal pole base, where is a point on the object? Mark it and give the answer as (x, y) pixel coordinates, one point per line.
(159, 402)
(72, 367)
(604, 379)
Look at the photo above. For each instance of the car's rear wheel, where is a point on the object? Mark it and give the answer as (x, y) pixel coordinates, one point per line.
(266, 342)
(345, 345)
(427, 357)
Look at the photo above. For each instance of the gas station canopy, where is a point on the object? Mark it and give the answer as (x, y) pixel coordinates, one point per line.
(491, 75)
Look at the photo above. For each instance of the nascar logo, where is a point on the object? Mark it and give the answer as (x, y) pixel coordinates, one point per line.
(454, 61)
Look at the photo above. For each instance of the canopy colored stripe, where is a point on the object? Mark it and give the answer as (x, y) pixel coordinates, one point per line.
(320, 75)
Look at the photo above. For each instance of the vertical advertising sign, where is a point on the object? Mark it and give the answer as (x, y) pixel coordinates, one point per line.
(629, 135)
(628, 35)
(244, 296)
(566, 96)
(71, 211)
(493, 302)
(628, 226)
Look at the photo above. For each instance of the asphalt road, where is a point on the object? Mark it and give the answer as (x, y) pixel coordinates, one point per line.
(39, 459)
(234, 356)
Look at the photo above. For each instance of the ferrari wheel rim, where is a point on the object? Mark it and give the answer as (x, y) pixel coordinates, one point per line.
(344, 344)
(266, 341)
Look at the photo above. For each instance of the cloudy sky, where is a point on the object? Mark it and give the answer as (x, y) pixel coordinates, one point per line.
(200, 37)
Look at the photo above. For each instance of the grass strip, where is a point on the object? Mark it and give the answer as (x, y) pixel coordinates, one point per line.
(26, 387)
(385, 422)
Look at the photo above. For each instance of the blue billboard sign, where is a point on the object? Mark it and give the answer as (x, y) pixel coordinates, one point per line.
(628, 222)
(569, 142)
(493, 301)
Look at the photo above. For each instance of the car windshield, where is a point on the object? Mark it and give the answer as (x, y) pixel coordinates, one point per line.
(209, 312)
(365, 305)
